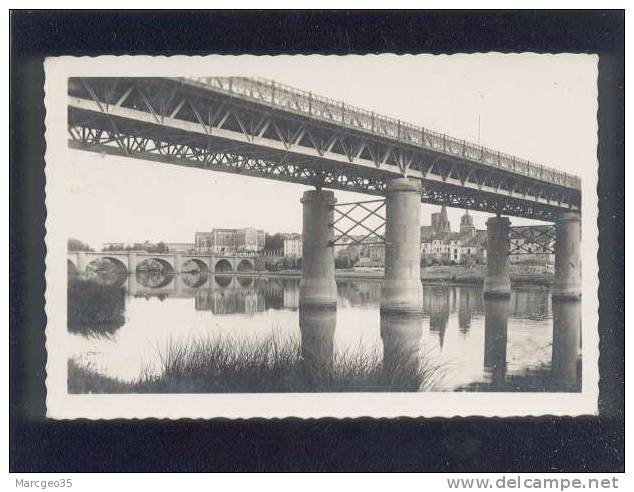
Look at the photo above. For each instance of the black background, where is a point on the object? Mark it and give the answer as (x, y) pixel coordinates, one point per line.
(438, 445)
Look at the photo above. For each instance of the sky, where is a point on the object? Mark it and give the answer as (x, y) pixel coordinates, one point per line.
(537, 107)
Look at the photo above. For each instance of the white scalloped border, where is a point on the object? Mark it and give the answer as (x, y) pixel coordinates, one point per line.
(61, 405)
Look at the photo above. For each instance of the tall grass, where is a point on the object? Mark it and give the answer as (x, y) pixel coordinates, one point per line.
(271, 364)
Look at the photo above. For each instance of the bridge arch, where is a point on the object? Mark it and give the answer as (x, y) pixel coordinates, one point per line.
(71, 268)
(192, 265)
(120, 266)
(223, 265)
(245, 265)
(148, 264)
(194, 273)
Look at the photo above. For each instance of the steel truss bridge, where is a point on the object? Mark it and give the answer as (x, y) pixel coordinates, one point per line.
(262, 128)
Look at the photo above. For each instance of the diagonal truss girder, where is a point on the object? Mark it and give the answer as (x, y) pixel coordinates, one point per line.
(162, 120)
(527, 240)
(371, 209)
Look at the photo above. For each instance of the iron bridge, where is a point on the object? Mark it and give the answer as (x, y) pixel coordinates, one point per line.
(261, 128)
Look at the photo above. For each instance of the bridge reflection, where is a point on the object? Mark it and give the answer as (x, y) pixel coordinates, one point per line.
(317, 327)
(402, 337)
(451, 314)
(221, 294)
(495, 341)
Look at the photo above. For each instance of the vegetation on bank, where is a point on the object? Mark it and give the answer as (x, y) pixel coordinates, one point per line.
(94, 309)
(273, 364)
(458, 274)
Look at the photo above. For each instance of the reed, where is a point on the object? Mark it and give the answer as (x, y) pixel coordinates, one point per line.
(270, 364)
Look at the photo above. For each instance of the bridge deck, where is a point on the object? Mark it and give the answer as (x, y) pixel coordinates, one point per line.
(263, 129)
(287, 98)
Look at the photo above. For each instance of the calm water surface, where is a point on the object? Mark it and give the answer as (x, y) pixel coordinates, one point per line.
(527, 343)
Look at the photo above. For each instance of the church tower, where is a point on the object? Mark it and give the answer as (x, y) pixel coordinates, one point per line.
(467, 229)
(444, 227)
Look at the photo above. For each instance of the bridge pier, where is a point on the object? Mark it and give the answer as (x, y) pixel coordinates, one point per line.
(496, 316)
(565, 348)
(81, 261)
(318, 286)
(567, 283)
(178, 263)
(132, 284)
(132, 262)
(497, 282)
(402, 290)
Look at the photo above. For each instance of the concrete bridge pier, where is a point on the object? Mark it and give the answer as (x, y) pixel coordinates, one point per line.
(402, 290)
(496, 316)
(318, 287)
(567, 283)
(566, 343)
(497, 282)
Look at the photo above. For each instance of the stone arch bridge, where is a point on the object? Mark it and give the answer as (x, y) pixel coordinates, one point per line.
(129, 261)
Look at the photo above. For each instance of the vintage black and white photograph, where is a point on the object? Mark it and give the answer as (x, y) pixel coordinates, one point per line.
(321, 236)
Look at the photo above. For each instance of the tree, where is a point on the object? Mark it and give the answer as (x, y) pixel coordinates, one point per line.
(274, 242)
(113, 247)
(77, 245)
(161, 247)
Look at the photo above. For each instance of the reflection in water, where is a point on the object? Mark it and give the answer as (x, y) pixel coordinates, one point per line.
(493, 345)
(566, 339)
(154, 279)
(223, 280)
(228, 301)
(94, 308)
(469, 303)
(401, 336)
(194, 278)
(495, 340)
(317, 328)
(530, 304)
(359, 293)
(245, 281)
(437, 304)
(104, 271)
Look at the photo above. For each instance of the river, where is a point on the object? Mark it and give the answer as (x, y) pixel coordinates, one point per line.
(527, 343)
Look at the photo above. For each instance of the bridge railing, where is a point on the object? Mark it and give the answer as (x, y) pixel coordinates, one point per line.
(290, 98)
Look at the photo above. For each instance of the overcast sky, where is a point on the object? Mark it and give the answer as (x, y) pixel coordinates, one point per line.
(537, 107)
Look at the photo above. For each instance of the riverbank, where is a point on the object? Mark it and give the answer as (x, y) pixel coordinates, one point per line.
(272, 364)
(455, 274)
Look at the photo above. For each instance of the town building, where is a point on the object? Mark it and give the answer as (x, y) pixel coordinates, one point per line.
(467, 229)
(446, 249)
(293, 246)
(473, 250)
(440, 222)
(531, 245)
(367, 265)
(375, 252)
(181, 247)
(353, 249)
(439, 244)
(229, 241)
